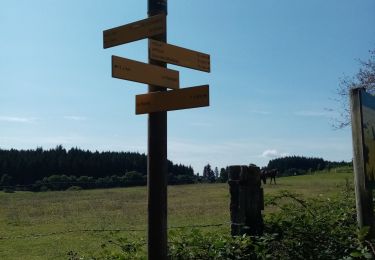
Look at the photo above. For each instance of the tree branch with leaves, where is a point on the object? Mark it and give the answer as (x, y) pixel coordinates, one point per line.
(365, 78)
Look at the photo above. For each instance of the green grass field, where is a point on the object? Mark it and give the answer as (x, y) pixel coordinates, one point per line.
(36, 225)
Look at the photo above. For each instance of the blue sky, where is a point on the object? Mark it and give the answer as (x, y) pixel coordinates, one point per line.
(275, 68)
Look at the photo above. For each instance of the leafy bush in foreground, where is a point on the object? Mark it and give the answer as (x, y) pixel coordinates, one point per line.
(323, 228)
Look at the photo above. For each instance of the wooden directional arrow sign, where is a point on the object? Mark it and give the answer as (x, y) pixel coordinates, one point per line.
(179, 56)
(139, 30)
(144, 73)
(172, 100)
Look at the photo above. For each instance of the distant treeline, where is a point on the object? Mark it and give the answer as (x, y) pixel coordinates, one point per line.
(59, 169)
(297, 165)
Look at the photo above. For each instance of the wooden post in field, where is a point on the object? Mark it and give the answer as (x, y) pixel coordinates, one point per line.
(246, 201)
(157, 172)
(365, 214)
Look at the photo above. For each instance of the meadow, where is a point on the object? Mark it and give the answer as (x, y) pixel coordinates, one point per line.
(47, 225)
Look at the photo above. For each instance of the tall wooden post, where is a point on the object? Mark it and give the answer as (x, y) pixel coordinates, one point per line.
(365, 214)
(154, 28)
(157, 161)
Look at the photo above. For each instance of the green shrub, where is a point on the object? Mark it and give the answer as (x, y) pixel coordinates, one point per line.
(194, 244)
(323, 228)
(44, 188)
(73, 188)
(116, 249)
(9, 190)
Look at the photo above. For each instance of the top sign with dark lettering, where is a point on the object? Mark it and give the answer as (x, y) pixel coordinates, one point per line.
(139, 30)
(179, 56)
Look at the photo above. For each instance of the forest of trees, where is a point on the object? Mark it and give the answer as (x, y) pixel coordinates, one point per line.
(297, 165)
(61, 169)
(287, 166)
(58, 169)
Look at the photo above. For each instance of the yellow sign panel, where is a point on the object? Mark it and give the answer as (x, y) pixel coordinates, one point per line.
(144, 73)
(179, 56)
(172, 100)
(139, 30)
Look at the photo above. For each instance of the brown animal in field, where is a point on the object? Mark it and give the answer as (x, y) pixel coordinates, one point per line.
(264, 174)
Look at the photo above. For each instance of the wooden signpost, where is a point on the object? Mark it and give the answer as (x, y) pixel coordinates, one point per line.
(139, 30)
(179, 56)
(363, 134)
(172, 100)
(144, 73)
(156, 103)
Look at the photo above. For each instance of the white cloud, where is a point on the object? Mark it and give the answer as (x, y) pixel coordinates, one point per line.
(221, 153)
(13, 119)
(273, 153)
(259, 151)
